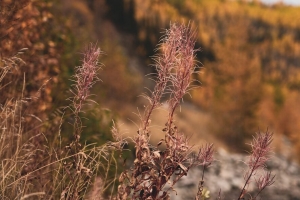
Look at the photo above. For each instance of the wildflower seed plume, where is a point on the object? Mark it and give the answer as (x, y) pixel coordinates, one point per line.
(85, 76)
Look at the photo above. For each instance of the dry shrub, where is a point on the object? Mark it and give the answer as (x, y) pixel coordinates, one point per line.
(156, 170)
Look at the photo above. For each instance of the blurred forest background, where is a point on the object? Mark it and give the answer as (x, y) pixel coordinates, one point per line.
(250, 64)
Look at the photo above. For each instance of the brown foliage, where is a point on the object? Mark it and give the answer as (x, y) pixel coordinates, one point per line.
(24, 24)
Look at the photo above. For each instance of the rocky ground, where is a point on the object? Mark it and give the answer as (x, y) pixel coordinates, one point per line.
(226, 174)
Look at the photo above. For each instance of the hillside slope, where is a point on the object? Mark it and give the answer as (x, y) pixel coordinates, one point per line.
(250, 71)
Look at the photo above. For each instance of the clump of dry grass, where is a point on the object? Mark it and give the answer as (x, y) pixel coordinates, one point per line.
(62, 172)
(15, 153)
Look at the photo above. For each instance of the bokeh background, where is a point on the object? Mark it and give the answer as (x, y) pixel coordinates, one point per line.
(249, 76)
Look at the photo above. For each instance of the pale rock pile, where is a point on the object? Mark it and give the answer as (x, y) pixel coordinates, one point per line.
(227, 172)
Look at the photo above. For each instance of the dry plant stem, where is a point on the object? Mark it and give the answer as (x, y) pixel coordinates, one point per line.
(259, 155)
(14, 153)
(183, 68)
(264, 181)
(84, 78)
(200, 185)
(85, 161)
(154, 168)
(164, 63)
(205, 157)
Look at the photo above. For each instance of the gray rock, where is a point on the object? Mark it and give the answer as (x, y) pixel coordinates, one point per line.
(227, 174)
